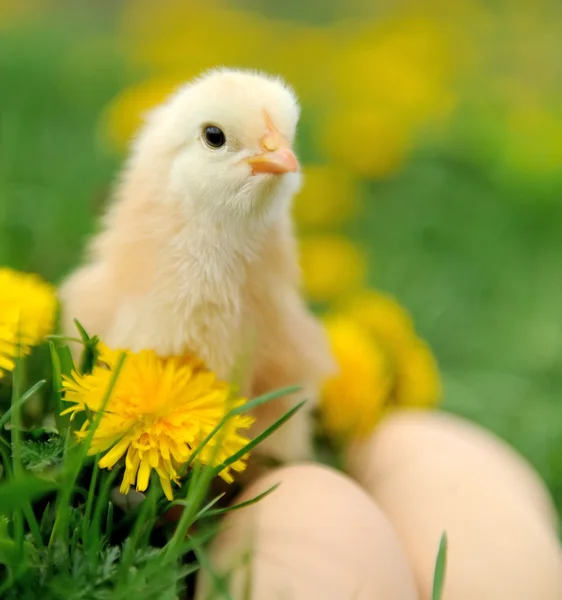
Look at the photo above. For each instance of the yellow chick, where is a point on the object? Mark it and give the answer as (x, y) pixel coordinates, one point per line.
(197, 253)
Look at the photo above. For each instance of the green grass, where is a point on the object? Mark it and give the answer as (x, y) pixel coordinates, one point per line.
(61, 535)
(440, 569)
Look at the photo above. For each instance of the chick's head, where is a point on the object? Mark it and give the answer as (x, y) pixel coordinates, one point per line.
(225, 142)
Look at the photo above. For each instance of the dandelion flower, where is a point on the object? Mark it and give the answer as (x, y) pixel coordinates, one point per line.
(353, 400)
(383, 365)
(418, 384)
(160, 410)
(28, 308)
(383, 317)
(416, 374)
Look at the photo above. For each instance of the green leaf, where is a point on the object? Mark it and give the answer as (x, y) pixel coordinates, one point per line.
(440, 568)
(83, 334)
(66, 361)
(246, 407)
(220, 581)
(10, 555)
(220, 511)
(23, 488)
(40, 455)
(255, 402)
(257, 440)
(90, 353)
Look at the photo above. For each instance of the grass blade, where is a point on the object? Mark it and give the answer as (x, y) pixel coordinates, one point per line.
(145, 518)
(75, 461)
(239, 410)
(94, 532)
(256, 441)
(440, 568)
(255, 402)
(199, 484)
(83, 333)
(23, 489)
(61, 422)
(90, 500)
(90, 352)
(205, 510)
(221, 511)
(220, 582)
(17, 467)
(21, 401)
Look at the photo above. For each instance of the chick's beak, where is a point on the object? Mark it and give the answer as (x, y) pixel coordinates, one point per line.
(279, 161)
(276, 158)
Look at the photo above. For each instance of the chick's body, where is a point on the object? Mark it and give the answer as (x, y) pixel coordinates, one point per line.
(197, 252)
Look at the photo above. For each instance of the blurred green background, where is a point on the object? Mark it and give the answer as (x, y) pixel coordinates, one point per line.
(431, 133)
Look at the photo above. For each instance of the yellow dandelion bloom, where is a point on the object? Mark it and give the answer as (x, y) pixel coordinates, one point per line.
(7, 350)
(418, 384)
(28, 308)
(332, 267)
(159, 412)
(383, 365)
(329, 196)
(383, 317)
(417, 375)
(353, 400)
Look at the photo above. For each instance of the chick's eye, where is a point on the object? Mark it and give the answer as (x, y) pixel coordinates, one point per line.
(214, 137)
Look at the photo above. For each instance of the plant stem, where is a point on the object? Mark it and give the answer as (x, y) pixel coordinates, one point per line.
(76, 461)
(90, 500)
(17, 467)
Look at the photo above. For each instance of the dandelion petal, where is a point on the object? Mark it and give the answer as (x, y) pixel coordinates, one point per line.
(114, 454)
(166, 486)
(143, 476)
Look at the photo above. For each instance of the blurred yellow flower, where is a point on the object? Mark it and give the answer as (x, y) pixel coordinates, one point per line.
(352, 401)
(124, 114)
(388, 80)
(403, 63)
(382, 317)
(329, 195)
(175, 38)
(382, 365)
(332, 267)
(184, 37)
(368, 142)
(159, 412)
(418, 384)
(28, 308)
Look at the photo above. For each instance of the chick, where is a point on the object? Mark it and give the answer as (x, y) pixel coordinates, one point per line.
(197, 252)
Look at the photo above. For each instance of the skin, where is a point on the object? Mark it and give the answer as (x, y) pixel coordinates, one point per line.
(197, 253)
